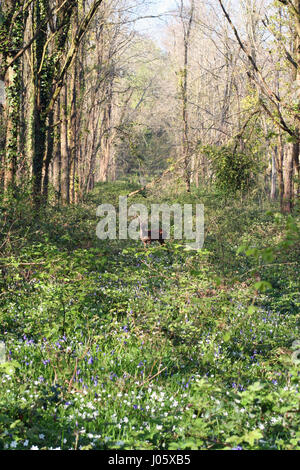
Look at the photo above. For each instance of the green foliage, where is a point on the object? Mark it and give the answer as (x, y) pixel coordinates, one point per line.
(234, 170)
(9, 368)
(142, 149)
(111, 346)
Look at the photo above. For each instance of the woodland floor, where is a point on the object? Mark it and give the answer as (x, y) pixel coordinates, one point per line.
(111, 346)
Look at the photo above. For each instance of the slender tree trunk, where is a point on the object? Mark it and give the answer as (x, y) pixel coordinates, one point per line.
(287, 200)
(49, 154)
(10, 143)
(56, 161)
(273, 175)
(40, 102)
(297, 170)
(184, 92)
(297, 81)
(107, 133)
(72, 132)
(64, 149)
(12, 34)
(279, 168)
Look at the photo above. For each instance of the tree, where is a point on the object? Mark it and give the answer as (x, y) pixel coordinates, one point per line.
(187, 22)
(282, 114)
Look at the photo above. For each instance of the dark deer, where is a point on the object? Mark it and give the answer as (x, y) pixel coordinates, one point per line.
(145, 235)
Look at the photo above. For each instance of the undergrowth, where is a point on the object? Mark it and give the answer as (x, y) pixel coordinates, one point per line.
(109, 345)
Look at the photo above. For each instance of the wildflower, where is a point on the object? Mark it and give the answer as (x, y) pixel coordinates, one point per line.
(275, 420)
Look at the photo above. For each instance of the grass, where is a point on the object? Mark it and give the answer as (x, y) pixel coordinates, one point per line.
(111, 346)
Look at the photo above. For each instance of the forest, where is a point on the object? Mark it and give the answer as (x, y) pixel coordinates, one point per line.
(146, 342)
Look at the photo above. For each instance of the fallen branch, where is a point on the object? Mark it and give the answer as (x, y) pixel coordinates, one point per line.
(153, 376)
(16, 265)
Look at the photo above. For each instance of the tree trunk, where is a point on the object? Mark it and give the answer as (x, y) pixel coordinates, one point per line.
(10, 143)
(288, 167)
(56, 161)
(273, 176)
(64, 149)
(297, 170)
(184, 92)
(49, 155)
(279, 168)
(40, 97)
(297, 122)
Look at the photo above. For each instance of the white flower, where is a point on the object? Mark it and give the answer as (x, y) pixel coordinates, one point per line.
(25, 443)
(34, 448)
(275, 420)
(42, 436)
(13, 444)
